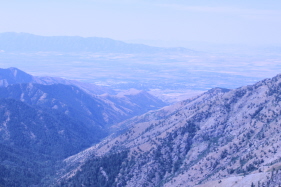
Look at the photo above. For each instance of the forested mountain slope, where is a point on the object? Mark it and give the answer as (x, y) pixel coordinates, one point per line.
(69, 100)
(92, 110)
(32, 139)
(220, 138)
(41, 124)
(43, 131)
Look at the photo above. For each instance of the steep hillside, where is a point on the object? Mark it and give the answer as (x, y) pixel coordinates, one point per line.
(20, 167)
(72, 101)
(69, 100)
(220, 138)
(134, 102)
(42, 131)
(32, 139)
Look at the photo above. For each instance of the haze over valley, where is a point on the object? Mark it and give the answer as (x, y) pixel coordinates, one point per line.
(169, 73)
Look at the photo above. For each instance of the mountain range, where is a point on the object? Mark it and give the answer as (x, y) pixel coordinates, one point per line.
(69, 95)
(24, 42)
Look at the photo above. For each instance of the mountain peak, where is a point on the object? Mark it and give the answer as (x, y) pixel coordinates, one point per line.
(218, 90)
(13, 75)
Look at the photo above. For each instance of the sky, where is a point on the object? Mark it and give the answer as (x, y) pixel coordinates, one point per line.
(216, 21)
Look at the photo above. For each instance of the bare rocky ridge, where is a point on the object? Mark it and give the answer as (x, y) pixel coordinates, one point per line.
(220, 138)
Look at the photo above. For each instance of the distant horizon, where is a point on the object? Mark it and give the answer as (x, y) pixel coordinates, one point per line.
(233, 21)
(165, 43)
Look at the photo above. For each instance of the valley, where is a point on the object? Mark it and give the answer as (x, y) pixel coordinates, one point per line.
(137, 93)
(220, 137)
(119, 114)
(45, 120)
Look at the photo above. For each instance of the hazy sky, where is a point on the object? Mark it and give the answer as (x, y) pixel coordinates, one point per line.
(223, 21)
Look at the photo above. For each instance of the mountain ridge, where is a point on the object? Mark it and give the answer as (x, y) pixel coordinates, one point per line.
(119, 108)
